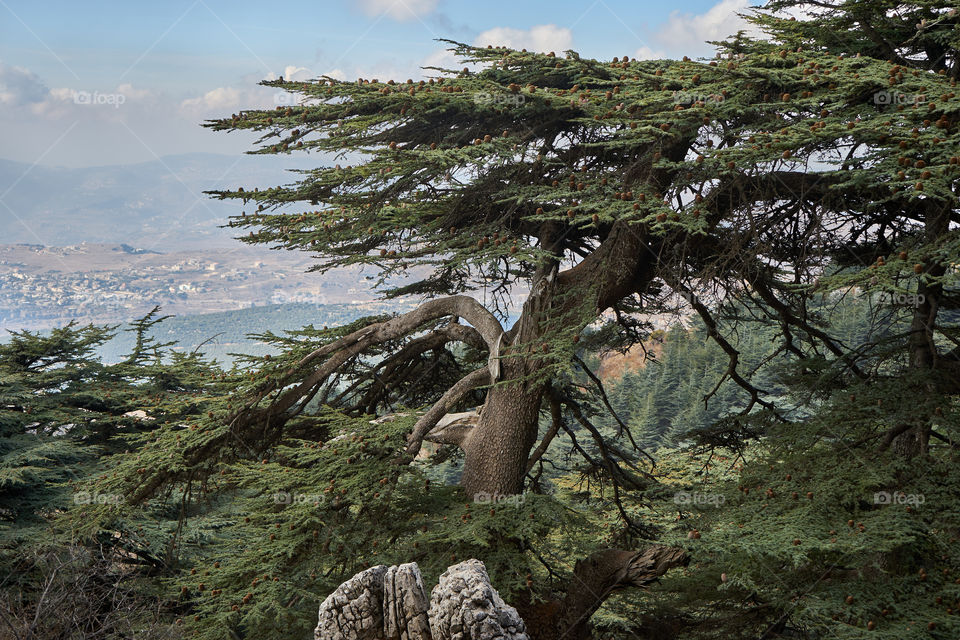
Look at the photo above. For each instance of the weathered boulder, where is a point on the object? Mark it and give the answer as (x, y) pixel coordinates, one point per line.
(354, 611)
(464, 606)
(384, 603)
(405, 604)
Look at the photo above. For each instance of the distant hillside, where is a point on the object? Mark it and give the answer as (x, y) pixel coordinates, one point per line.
(155, 205)
(43, 287)
(219, 334)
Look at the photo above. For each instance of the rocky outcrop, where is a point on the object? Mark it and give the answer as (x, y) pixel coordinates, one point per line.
(384, 603)
(405, 614)
(464, 606)
(390, 603)
(354, 611)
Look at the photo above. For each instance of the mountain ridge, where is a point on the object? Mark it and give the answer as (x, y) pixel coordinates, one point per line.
(158, 203)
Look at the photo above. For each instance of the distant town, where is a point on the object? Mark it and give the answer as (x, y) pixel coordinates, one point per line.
(43, 287)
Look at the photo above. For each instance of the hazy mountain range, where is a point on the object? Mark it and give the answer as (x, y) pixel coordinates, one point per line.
(154, 205)
(105, 244)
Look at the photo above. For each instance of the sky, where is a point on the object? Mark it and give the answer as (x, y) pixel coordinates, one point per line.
(115, 82)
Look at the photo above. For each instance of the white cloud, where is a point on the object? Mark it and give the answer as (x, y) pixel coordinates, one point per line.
(687, 33)
(88, 125)
(132, 93)
(19, 86)
(543, 37)
(646, 53)
(250, 96)
(62, 94)
(221, 98)
(398, 9)
(292, 72)
(21, 91)
(443, 59)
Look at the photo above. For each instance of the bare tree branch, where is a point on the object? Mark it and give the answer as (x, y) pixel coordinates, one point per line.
(556, 420)
(441, 407)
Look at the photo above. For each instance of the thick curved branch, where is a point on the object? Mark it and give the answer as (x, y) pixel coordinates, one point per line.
(461, 306)
(340, 352)
(434, 340)
(615, 268)
(391, 371)
(604, 572)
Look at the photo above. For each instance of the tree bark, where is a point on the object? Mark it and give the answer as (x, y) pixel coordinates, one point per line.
(924, 357)
(496, 451)
(604, 572)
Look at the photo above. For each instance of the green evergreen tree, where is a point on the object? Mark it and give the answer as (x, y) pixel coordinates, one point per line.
(772, 174)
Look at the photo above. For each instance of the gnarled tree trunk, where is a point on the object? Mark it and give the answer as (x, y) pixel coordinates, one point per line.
(498, 448)
(496, 451)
